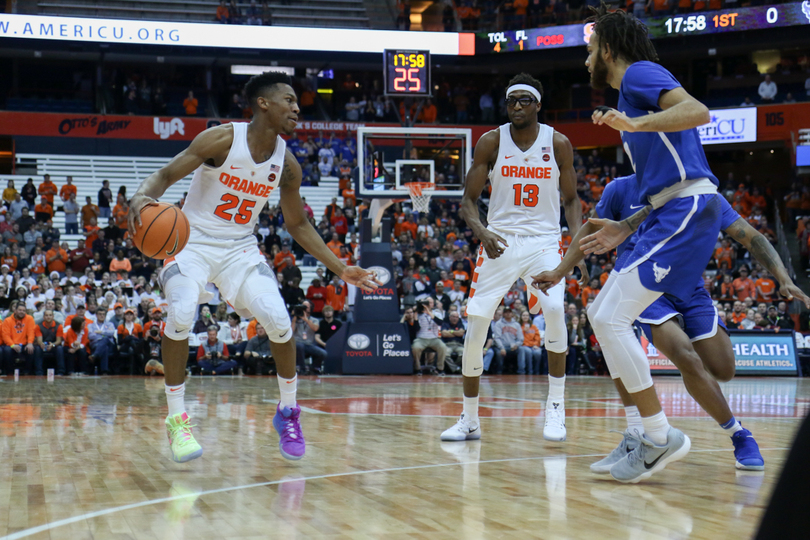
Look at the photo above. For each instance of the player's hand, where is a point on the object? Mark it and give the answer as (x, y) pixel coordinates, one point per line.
(139, 201)
(583, 268)
(609, 236)
(792, 292)
(615, 119)
(360, 277)
(492, 244)
(546, 280)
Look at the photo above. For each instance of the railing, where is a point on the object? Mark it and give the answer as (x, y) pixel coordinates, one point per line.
(784, 252)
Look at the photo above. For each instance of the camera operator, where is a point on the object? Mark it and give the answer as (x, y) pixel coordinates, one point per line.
(212, 354)
(257, 353)
(304, 329)
(153, 334)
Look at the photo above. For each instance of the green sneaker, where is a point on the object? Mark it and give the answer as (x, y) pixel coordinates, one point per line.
(181, 441)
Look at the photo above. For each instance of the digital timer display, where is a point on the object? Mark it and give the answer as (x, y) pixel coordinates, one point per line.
(407, 73)
(708, 22)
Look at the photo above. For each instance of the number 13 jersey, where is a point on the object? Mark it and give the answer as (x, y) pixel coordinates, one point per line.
(525, 197)
(224, 202)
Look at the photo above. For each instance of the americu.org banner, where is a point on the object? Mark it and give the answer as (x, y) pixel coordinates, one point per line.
(756, 352)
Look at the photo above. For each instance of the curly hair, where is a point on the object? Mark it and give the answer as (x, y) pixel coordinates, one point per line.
(258, 84)
(525, 78)
(626, 36)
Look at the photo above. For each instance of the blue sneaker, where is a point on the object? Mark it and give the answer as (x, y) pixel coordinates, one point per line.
(746, 451)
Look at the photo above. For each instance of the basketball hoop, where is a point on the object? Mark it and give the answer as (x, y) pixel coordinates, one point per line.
(421, 192)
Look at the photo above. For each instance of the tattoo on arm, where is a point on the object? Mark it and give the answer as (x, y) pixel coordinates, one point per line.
(764, 252)
(636, 219)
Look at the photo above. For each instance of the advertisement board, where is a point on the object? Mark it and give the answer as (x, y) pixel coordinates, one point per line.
(730, 126)
(756, 352)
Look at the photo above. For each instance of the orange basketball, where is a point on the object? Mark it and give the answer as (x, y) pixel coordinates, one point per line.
(164, 231)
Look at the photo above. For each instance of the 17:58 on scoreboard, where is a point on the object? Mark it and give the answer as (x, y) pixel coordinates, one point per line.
(407, 73)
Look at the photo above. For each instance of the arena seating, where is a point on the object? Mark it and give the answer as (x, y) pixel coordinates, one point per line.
(322, 13)
(89, 171)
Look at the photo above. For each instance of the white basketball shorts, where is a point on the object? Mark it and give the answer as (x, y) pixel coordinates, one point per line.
(525, 256)
(226, 263)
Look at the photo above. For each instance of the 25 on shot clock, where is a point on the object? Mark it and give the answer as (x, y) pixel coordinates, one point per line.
(407, 73)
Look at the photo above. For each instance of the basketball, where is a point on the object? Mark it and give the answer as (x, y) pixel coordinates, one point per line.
(163, 232)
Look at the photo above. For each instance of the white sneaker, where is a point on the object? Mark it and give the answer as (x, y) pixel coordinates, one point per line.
(554, 430)
(464, 430)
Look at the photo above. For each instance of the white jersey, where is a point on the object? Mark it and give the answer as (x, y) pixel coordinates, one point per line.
(225, 201)
(525, 197)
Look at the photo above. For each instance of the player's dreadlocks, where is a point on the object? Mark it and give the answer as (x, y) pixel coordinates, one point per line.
(625, 35)
(525, 78)
(258, 84)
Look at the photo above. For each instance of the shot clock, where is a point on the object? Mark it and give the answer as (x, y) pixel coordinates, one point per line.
(407, 73)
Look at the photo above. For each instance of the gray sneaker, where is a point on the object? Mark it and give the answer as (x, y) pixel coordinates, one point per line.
(647, 458)
(628, 444)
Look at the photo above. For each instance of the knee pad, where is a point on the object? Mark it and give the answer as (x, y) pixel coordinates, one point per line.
(556, 336)
(182, 309)
(271, 313)
(472, 360)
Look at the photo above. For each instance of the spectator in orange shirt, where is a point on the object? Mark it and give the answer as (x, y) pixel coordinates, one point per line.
(724, 253)
(57, 258)
(43, 211)
(410, 225)
(429, 113)
(335, 244)
(530, 352)
(459, 274)
(284, 257)
(336, 294)
(565, 240)
(120, 263)
(119, 215)
(91, 233)
(9, 259)
(316, 294)
(589, 293)
(67, 190)
(48, 340)
(47, 189)
(738, 315)
(75, 344)
(190, 104)
(744, 286)
(765, 288)
(89, 211)
(727, 293)
(18, 341)
(223, 15)
(603, 277)
(755, 199)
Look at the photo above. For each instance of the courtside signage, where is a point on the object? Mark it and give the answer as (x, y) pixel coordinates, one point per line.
(730, 126)
(74, 29)
(762, 352)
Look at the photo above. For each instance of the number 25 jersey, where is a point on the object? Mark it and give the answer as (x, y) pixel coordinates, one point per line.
(225, 201)
(525, 197)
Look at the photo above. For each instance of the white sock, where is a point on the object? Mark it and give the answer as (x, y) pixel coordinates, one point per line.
(731, 427)
(634, 419)
(556, 389)
(471, 408)
(656, 428)
(288, 388)
(175, 397)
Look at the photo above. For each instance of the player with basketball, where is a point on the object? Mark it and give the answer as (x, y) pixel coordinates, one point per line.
(657, 120)
(529, 165)
(688, 332)
(236, 166)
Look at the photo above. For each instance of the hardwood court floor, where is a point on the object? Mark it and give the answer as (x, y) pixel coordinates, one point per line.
(88, 458)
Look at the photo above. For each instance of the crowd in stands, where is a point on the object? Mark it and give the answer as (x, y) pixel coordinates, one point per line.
(252, 13)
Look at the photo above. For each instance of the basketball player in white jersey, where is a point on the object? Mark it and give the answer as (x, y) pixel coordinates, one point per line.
(529, 165)
(236, 166)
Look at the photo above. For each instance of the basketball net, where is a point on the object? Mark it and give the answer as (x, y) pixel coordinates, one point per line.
(421, 192)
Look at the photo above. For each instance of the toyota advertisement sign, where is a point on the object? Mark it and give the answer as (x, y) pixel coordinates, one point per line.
(730, 126)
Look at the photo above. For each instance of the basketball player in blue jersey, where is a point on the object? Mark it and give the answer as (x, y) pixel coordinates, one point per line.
(675, 326)
(657, 119)
(236, 166)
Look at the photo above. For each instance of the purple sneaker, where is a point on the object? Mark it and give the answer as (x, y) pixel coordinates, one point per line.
(292, 443)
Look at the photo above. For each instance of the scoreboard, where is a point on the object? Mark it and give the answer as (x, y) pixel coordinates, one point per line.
(406, 73)
(693, 24)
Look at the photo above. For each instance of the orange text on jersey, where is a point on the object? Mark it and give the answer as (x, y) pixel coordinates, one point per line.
(246, 186)
(512, 171)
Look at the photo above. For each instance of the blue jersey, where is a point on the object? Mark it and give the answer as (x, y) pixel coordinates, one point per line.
(620, 201)
(659, 159)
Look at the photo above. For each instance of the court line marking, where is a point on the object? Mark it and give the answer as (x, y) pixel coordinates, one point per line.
(90, 515)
